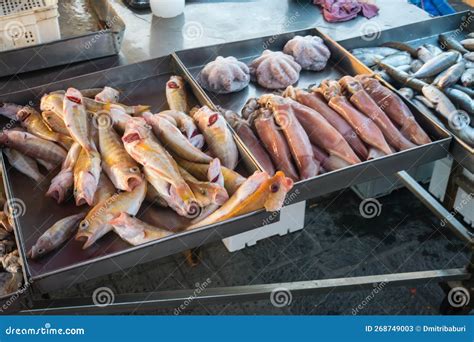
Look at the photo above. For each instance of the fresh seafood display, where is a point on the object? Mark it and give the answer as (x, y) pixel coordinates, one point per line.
(224, 75)
(310, 52)
(114, 157)
(440, 78)
(274, 70)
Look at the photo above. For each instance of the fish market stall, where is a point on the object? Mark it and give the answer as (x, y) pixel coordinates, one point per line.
(112, 168)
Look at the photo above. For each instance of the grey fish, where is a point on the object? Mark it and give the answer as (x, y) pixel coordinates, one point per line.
(467, 78)
(424, 54)
(23, 164)
(407, 93)
(435, 50)
(450, 76)
(376, 50)
(427, 103)
(427, 112)
(437, 64)
(468, 91)
(416, 65)
(461, 99)
(402, 47)
(384, 75)
(369, 59)
(397, 59)
(469, 64)
(468, 44)
(56, 235)
(447, 42)
(469, 56)
(9, 110)
(403, 78)
(443, 105)
(405, 68)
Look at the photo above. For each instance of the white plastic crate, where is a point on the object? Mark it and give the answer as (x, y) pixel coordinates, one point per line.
(385, 185)
(28, 22)
(464, 202)
(291, 220)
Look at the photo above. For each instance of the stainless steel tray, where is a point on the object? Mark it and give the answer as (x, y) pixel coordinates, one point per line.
(92, 31)
(458, 24)
(341, 63)
(141, 83)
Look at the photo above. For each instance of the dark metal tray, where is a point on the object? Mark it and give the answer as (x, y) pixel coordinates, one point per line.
(341, 63)
(92, 31)
(458, 24)
(141, 83)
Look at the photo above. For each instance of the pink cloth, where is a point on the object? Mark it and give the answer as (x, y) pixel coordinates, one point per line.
(343, 10)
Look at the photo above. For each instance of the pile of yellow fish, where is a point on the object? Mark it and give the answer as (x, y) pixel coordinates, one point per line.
(114, 156)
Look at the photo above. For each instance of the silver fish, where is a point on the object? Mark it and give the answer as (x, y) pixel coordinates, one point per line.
(469, 56)
(408, 93)
(416, 65)
(468, 43)
(437, 64)
(467, 78)
(448, 42)
(377, 50)
(461, 99)
(450, 76)
(397, 59)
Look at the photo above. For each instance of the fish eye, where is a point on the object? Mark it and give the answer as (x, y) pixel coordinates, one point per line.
(274, 187)
(134, 169)
(84, 224)
(41, 251)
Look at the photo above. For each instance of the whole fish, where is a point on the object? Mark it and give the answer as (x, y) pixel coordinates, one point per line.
(377, 50)
(402, 47)
(317, 102)
(368, 59)
(245, 132)
(135, 231)
(9, 110)
(33, 146)
(55, 236)
(322, 134)
(122, 169)
(141, 146)
(232, 180)
(105, 189)
(24, 164)
(33, 122)
(447, 42)
(218, 136)
(190, 209)
(257, 192)
(176, 94)
(97, 222)
(206, 193)
(437, 64)
(55, 122)
(450, 76)
(108, 94)
(77, 119)
(171, 137)
(447, 109)
(362, 101)
(53, 102)
(467, 78)
(468, 44)
(86, 176)
(468, 91)
(275, 143)
(461, 99)
(408, 93)
(404, 79)
(396, 110)
(186, 124)
(365, 128)
(63, 182)
(397, 59)
(296, 136)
